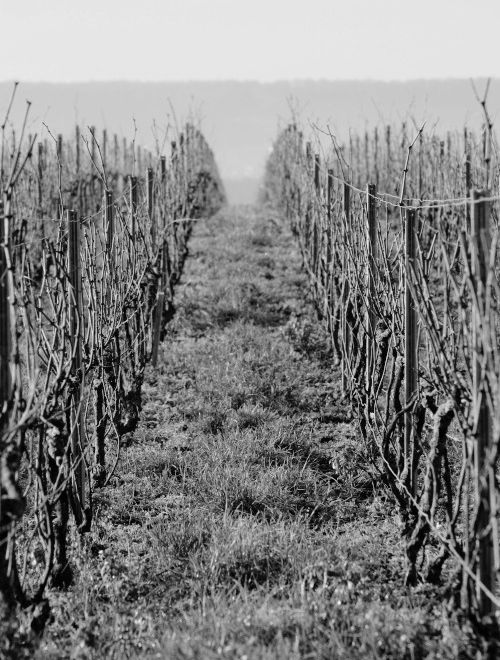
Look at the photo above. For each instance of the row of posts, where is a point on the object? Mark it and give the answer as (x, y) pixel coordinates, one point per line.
(98, 152)
(76, 302)
(131, 154)
(443, 149)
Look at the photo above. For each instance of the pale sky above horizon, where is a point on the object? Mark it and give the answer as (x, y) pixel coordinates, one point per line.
(266, 40)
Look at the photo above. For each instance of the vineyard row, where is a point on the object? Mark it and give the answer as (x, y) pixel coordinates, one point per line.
(406, 281)
(91, 252)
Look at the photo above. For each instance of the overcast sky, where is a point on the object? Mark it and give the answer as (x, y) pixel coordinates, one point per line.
(70, 40)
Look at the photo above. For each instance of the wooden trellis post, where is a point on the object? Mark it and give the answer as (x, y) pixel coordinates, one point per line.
(76, 332)
(157, 319)
(77, 150)
(326, 256)
(92, 166)
(486, 532)
(371, 266)
(174, 165)
(388, 167)
(375, 156)
(109, 276)
(125, 163)
(411, 341)
(367, 157)
(307, 215)
(166, 266)
(59, 154)
(115, 153)
(40, 165)
(139, 159)
(421, 165)
(287, 193)
(5, 324)
(109, 224)
(309, 157)
(329, 202)
(133, 204)
(104, 150)
(345, 283)
(467, 177)
(150, 204)
(78, 186)
(109, 228)
(316, 221)
(160, 297)
(316, 173)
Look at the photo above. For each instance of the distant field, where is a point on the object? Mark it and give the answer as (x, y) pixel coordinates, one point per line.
(242, 191)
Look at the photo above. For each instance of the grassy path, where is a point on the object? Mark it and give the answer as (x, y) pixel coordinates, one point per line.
(241, 523)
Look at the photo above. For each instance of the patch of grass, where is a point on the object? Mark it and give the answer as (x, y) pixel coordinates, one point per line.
(251, 417)
(238, 398)
(308, 337)
(260, 239)
(213, 421)
(266, 262)
(181, 538)
(245, 554)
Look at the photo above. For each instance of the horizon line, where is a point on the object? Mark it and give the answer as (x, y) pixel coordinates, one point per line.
(190, 81)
